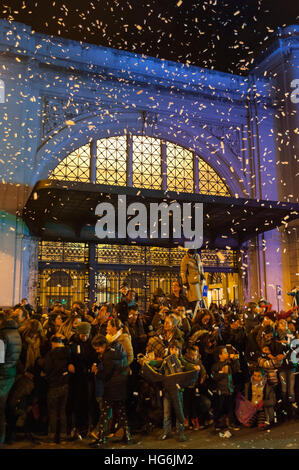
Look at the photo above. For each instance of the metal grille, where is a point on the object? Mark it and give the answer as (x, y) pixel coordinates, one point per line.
(147, 162)
(63, 252)
(74, 167)
(115, 254)
(112, 161)
(111, 166)
(143, 283)
(209, 181)
(179, 168)
(62, 285)
(143, 268)
(156, 256)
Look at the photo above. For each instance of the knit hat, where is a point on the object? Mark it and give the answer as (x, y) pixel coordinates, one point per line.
(57, 339)
(83, 328)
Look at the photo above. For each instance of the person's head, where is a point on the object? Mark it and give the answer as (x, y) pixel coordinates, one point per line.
(103, 313)
(58, 320)
(76, 319)
(170, 323)
(132, 315)
(83, 331)
(257, 375)
(19, 314)
(181, 310)
(131, 295)
(176, 288)
(113, 326)
(174, 348)
(159, 295)
(205, 318)
(99, 343)
(124, 288)
(192, 353)
(78, 307)
(24, 301)
(222, 353)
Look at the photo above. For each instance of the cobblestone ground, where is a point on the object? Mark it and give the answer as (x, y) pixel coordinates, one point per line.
(284, 436)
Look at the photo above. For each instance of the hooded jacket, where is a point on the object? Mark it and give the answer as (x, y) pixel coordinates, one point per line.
(56, 367)
(113, 372)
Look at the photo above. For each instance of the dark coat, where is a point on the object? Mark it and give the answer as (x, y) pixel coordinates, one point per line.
(99, 329)
(173, 301)
(269, 397)
(56, 367)
(223, 381)
(114, 373)
(13, 346)
(84, 359)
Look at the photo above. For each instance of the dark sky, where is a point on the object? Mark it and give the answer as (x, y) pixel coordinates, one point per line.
(217, 34)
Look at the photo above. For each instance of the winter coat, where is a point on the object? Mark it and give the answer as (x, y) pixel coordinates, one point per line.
(138, 337)
(114, 372)
(99, 329)
(83, 356)
(13, 346)
(55, 365)
(192, 274)
(269, 397)
(222, 380)
(181, 301)
(125, 340)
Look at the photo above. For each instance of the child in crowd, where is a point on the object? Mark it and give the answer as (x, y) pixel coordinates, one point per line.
(55, 366)
(270, 364)
(174, 363)
(221, 374)
(259, 392)
(195, 403)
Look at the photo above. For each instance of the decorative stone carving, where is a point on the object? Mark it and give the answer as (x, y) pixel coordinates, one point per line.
(228, 136)
(56, 111)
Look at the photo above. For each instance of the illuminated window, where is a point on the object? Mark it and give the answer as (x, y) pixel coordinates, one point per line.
(147, 162)
(112, 161)
(179, 168)
(74, 167)
(209, 181)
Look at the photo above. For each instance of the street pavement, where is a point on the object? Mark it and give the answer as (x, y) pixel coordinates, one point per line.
(283, 436)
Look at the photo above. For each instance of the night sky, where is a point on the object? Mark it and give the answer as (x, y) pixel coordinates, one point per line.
(218, 34)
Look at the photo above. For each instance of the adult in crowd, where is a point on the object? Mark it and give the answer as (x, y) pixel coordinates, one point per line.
(10, 350)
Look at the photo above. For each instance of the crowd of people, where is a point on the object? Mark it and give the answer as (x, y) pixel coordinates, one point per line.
(110, 371)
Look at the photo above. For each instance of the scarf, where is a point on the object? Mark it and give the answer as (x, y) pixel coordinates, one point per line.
(111, 339)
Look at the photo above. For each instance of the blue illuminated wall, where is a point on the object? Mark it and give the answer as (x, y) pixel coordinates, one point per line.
(230, 121)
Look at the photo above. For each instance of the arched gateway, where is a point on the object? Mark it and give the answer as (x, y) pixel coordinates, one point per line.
(143, 162)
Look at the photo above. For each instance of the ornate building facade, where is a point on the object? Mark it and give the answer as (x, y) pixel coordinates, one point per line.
(80, 112)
